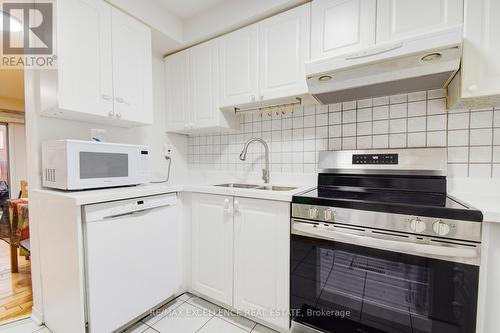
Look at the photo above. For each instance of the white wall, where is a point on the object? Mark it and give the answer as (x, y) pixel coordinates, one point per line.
(17, 157)
(230, 15)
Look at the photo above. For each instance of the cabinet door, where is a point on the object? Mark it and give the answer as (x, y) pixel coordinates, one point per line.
(212, 246)
(284, 45)
(132, 69)
(400, 19)
(203, 84)
(480, 64)
(177, 93)
(238, 57)
(85, 81)
(261, 258)
(341, 26)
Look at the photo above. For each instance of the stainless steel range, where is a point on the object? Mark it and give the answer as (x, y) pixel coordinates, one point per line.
(379, 246)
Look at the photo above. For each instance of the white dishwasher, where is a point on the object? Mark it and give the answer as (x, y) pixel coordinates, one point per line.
(133, 259)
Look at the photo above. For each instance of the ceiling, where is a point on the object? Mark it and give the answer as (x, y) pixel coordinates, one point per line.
(187, 8)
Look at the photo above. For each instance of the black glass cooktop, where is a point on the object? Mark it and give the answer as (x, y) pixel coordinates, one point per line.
(421, 196)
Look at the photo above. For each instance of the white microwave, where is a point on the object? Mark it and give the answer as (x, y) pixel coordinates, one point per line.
(79, 165)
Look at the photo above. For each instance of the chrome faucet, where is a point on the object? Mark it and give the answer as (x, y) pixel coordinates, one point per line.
(243, 156)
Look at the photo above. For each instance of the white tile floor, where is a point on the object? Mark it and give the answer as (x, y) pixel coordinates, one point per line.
(185, 314)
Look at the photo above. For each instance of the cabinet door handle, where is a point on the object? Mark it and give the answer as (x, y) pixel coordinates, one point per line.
(236, 205)
(472, 87)
(226, 205)
(121, 100)
(106, 97)
(111, 114)
(253, 98)
(261, 97)
(118, 115)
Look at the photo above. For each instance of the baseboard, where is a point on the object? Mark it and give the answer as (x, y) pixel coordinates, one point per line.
(37, 316)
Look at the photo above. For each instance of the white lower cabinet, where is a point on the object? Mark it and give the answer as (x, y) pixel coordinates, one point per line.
(212, 246)
(261, 259)
(240, 255)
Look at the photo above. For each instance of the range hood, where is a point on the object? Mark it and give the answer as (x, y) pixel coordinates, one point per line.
(427, 62)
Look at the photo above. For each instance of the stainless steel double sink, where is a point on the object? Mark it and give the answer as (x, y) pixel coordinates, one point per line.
(258, 187)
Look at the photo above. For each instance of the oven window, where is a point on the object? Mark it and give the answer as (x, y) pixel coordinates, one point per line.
(339, 287)
(103, 165)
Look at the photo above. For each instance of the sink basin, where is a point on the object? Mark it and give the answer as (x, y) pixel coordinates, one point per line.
(238, 185)
(276, 188)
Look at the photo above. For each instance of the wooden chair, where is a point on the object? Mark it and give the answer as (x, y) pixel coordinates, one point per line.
(24, 190)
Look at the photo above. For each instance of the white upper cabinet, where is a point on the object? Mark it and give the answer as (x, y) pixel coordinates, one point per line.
(238, 54)
(481, 65)
(192, 91)
(341, 26)
(104, 67)
(284, 47)
(261, 259)
(403, 19)
(478, 83)
(212, 246)
(85, 72)
(203, 84)
(264, 63)
(177, 97)
(132, 69)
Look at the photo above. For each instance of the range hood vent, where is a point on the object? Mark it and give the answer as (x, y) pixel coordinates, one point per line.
(413, 84)
(422, 64)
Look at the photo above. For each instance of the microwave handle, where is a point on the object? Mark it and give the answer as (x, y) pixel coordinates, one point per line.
(315, 230)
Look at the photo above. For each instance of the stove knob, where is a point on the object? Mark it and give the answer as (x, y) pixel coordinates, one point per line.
(441, 228)
(313, 213)
(328, 214)
(416, 225)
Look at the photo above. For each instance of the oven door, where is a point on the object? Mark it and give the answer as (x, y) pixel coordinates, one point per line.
(343, 287)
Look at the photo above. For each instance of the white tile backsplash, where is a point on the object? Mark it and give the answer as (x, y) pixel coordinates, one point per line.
(417, 109)
(413, 120)
(481, 119)
(481, 137)
(417, 139)
(417, 124)
(398, 110)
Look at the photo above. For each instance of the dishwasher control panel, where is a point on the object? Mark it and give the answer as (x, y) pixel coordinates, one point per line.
(112, 209)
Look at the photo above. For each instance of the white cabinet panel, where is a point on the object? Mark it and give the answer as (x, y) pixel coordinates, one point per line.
(85, 79)
(177, 91)
(212, 246)
(341, 26)
(132, 69)
(238, 55)
(400, 19)
(203, 89)
(261, 258)
(284, 46)
(104, 70)
(481, 65)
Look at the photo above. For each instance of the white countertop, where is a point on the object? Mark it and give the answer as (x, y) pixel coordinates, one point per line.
(489, 205)
(482, 194)
(86, 197)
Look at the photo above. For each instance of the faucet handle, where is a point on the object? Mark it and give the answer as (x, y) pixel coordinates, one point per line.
(265, 175)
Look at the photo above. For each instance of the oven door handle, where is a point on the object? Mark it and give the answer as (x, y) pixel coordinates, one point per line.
(325, 232)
